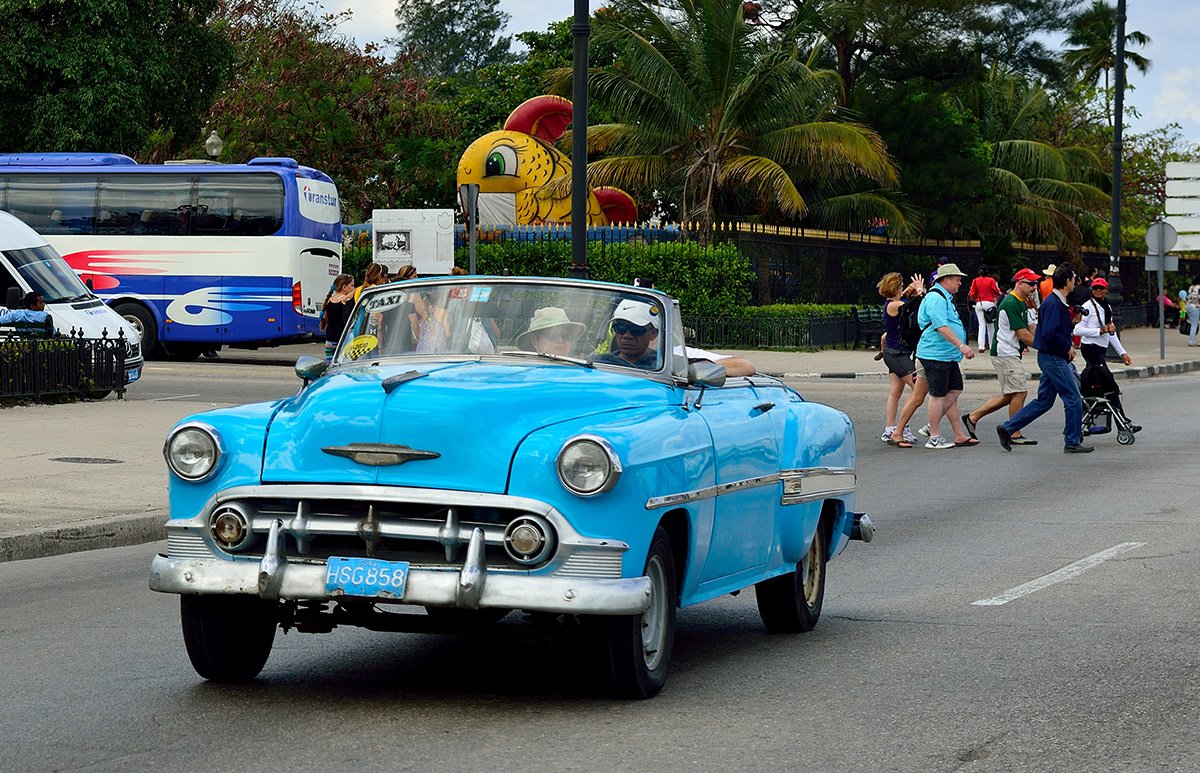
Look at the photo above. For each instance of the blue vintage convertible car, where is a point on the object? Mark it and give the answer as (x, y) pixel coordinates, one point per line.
(487, 444)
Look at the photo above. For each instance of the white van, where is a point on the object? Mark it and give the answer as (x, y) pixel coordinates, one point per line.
(29, 264)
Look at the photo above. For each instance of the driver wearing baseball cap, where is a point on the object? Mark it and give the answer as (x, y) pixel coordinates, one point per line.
(635, 326)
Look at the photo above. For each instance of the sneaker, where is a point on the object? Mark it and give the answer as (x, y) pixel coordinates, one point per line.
(1077, 448)
(887, 434)
(924, 431)
(909, 436)
(937, 441)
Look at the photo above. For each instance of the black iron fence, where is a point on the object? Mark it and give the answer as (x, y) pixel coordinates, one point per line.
(35, 367)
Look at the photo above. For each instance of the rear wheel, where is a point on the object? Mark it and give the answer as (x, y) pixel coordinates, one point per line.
(143, 322)
(636, 649)
(185, 352)
(228, 638)
(791, 603)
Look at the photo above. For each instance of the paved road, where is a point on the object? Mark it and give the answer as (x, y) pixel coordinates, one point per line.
(905, 672)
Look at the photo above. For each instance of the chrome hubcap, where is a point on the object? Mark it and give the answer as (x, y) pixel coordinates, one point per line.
(810, 571)
(137, 324)
(654, 619)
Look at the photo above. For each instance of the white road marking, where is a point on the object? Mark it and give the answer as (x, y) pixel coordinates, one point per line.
(172, 397)
(1066, 573)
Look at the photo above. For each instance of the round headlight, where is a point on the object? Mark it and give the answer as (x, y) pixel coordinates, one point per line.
(588, 465)
(192, 452)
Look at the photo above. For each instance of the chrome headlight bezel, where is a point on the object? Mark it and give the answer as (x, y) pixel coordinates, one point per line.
(206, 432)
(600, 449)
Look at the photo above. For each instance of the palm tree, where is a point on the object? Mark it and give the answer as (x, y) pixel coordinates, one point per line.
(1040, 191)
(715, 111)
(1093, 33)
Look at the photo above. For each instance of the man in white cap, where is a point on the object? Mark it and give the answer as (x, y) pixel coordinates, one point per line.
(635, 326)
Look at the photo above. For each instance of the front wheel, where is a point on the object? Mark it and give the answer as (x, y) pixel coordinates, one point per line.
(143, 322)
(636, 652)
(791, 603)
(228, 638)
(1125, 438)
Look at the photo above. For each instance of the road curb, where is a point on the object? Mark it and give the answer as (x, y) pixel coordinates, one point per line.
(94, 535)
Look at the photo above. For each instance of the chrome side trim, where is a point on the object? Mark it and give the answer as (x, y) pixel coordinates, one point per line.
(799, 485)
(816, 483)
(711, 491)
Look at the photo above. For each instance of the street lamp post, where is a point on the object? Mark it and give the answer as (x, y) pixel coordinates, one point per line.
(581, 30)
(213, 146)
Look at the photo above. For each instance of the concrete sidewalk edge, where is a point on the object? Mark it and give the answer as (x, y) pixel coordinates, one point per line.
(118, 531)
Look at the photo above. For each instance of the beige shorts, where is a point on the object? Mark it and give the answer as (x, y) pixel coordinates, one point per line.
(1012, 375)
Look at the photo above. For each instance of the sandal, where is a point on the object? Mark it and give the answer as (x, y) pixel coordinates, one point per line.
(899, 443)
(971, 441)
(970, 426)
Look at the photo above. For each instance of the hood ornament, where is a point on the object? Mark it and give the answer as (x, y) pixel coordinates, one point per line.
(380, 454)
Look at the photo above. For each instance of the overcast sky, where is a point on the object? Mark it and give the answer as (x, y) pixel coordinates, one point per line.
(1170, 92)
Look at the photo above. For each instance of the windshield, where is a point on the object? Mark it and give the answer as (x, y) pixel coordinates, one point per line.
(607, 326)
(48, 274)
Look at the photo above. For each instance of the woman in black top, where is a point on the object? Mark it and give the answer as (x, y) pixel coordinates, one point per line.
(338, 305)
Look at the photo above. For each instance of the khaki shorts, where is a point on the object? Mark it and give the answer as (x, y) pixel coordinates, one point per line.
(1011, 372)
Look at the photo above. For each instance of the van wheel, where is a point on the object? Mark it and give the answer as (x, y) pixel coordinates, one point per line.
(143, 322)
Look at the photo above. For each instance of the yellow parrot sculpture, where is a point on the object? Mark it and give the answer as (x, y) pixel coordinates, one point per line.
(513, 166)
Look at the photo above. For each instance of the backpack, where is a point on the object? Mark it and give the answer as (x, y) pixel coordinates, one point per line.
(910, 329)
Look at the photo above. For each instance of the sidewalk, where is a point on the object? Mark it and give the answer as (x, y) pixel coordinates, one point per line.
(83, 476)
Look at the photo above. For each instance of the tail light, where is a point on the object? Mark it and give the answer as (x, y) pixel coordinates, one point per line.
(296, 297)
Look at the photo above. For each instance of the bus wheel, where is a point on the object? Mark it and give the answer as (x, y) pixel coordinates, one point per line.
(143, 322)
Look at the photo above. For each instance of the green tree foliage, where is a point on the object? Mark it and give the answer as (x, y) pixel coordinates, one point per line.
(724, 119)
(452, 38)
(1041, 192)
(301, 89)
(1093, 57)
(98, 75)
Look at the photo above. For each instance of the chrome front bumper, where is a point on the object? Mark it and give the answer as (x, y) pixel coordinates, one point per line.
(470, 587)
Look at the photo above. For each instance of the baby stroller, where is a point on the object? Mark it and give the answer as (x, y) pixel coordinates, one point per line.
(1102, 410)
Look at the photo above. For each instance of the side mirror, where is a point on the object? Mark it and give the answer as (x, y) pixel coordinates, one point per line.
(706, 374)
(310, 368)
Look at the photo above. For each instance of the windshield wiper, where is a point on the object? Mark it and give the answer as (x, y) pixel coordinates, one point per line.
(553, 357)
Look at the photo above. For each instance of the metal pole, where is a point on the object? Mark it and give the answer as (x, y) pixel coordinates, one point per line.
(1114, 268)
(470, 197)
(581, 30)
(1162, 325)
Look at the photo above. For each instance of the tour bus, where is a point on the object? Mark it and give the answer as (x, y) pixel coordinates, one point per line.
(195, 254)
(29, 265)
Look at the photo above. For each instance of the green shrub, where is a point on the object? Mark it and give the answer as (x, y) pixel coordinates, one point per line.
(713, 280)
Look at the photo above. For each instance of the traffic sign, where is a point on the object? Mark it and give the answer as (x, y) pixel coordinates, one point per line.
(1182, 169)
(1161, 237)
(1183, 206)
(1183, 188)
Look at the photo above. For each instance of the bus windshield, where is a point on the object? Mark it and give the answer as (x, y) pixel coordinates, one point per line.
(48, 274)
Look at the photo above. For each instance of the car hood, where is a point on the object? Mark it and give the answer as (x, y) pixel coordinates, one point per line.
(472, 415)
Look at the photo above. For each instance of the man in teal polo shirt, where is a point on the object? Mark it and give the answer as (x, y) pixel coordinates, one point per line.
(941, 348)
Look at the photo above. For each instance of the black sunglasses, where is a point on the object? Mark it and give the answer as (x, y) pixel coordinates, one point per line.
(621, 327)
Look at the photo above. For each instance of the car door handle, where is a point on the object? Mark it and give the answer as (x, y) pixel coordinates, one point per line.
(764, 407)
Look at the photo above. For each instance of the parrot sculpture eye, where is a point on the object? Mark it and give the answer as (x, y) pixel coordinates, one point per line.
(501, 161)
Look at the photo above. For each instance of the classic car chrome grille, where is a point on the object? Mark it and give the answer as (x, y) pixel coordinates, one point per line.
(606, 564)
(186, 545)
(417, 532)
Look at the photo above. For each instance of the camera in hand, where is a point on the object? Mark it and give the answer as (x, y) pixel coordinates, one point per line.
(1081, 311)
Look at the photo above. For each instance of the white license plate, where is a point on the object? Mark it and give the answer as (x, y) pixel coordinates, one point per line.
(367, 577)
